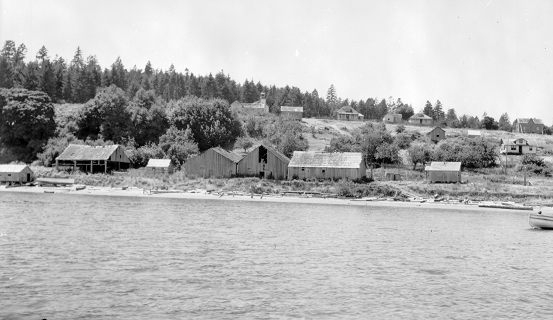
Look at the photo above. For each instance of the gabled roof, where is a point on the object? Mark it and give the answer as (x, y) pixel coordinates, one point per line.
(348, 110)
(419, 115)
(227, 154)
(518, 142)
(527, 120)
(326, 159)
(277, 153)
(159, 163)
(443, 166)
(82, 152)
(12, 167)
(435, 128)
(291, 109)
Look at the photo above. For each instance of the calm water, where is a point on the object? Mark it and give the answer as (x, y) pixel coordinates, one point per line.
(86, 257)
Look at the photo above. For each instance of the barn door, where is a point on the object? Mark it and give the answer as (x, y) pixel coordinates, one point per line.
(28, 177)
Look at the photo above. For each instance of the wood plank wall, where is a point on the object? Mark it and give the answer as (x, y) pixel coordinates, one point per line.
(274, 166)
(210, 164)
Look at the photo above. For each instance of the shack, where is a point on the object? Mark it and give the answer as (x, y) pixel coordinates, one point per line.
(94, 158)
(443, 172)
(436, 135)
(517, 146)
(349, 114)
(291, 112)
(265, 162)
(420, 119)
(160, 166)
(324, 165)
(392, 118)
(16, 173)
(215, 162)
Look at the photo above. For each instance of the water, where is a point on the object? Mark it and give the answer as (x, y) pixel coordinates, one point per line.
(87, 257)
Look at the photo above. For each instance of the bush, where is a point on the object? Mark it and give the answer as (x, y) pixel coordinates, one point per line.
(534, 164)
(400, 128)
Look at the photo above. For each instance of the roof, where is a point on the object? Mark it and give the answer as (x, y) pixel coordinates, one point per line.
(159, 163)
(444, 166)
(418, 116)
(12, 167)
(349, 110)
(291, 109)
(526, 120)
(82, 152)
(393, 114)
(227, 154)
(473, 133)
(438, 128)
(518, 142)
(326, 159)
(277, 153)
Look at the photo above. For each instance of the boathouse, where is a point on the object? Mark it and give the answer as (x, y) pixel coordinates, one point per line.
(215, 162)
(94, 158)
(325, 165)
(18, 173)
(160, 166)
(265, 162)
(517, 146)
(291, 112)
(443, 172)
(420, 119)
(436, 135)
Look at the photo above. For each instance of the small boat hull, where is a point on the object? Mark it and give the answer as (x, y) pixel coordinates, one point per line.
(540, 221)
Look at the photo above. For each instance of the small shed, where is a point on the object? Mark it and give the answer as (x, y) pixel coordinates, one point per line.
(392, 118)
(437, 134)
(160, 166)
(444, 172)
(265, 162)
(518, 146)
(291, 112)
(94, 158)
(20, 173)
(474, 134)
(420, 119)
(325, 165)
(215, 162)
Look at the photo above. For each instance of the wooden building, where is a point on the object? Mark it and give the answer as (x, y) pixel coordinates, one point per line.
(291, 112)
(420, 119)
(392, 118)
(474, 134)
(213, 163)
(16, 173)
(349, 114)
(436, 135)
(444, 172)
(517, 146)
(264, 162)
(160, 166)
(528, 125)
(324, 165)
(260, 106)
(94, 158)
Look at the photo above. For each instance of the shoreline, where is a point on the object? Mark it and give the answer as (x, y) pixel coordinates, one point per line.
(135, 192)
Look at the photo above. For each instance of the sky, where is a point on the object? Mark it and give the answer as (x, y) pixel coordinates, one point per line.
(474, 56)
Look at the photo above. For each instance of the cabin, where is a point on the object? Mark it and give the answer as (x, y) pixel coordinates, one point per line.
(474, 134)
(325, 165)
(260, 106)
(160, 166)
(517, 146)
(420, 119)
(443, 172)
(264, 162)
(528, 125)
(392, 118)
(291, 112)
(436, 135)
(94, 158)
(16, 173)
(347, 113)
(213, 163)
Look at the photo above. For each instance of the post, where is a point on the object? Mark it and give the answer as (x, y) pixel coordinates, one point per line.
(56, 164)
(105, 166)
(74, 166)
(91, 166)
(525, 176)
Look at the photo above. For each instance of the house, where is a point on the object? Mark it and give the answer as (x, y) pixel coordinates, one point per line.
(292, 112)
(420, 119)
(349, 114)
(215, 162)
(324, 165)
(20, 173)
(160, 166)
(260, 106)
(517, 146)
(265, 162)
(437, 134)
(392, 118)
(444, 172)
(94, 158)
(474, 134)
(528, 125)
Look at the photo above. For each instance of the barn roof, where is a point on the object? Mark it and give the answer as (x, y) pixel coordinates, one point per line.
(326, 159)
(526, 120)
(443, 166)
(12, 167)
(82, 152)
(159, 163)
(418, 116)
(227, 154)
(348, 110)
(291, 109)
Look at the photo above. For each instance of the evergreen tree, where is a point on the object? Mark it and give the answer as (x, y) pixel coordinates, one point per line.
(331, 98)
(437, 112)
(505, 123)
(428, 109)
(451, 118)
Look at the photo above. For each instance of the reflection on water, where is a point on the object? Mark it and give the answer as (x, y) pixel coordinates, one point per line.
(86, 257)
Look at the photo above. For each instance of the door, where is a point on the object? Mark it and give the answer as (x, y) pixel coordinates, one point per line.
(520, 149)
(28, 177)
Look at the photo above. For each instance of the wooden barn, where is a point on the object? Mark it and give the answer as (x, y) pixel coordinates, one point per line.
(436, 135)
(528, 125)
(444, 172)
(215, 162)
(291, 112)
(420, 119)
(324, 165)
(264, 162)
(20, 173)
(94, 158)
(160, 166)
(392, 118)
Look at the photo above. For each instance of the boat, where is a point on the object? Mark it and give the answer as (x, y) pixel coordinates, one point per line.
(538, 220)
(505, 205)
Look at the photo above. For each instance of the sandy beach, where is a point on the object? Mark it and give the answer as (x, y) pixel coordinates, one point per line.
(136, 192)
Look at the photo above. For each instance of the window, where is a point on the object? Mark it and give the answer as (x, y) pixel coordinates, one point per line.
(514, 148)
(9, 174)
(437, 136)
(324, 170)
(302, 169)
(530, 148)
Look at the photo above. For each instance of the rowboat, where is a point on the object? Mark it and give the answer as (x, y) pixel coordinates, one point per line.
(538, 220)
(504, 205)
